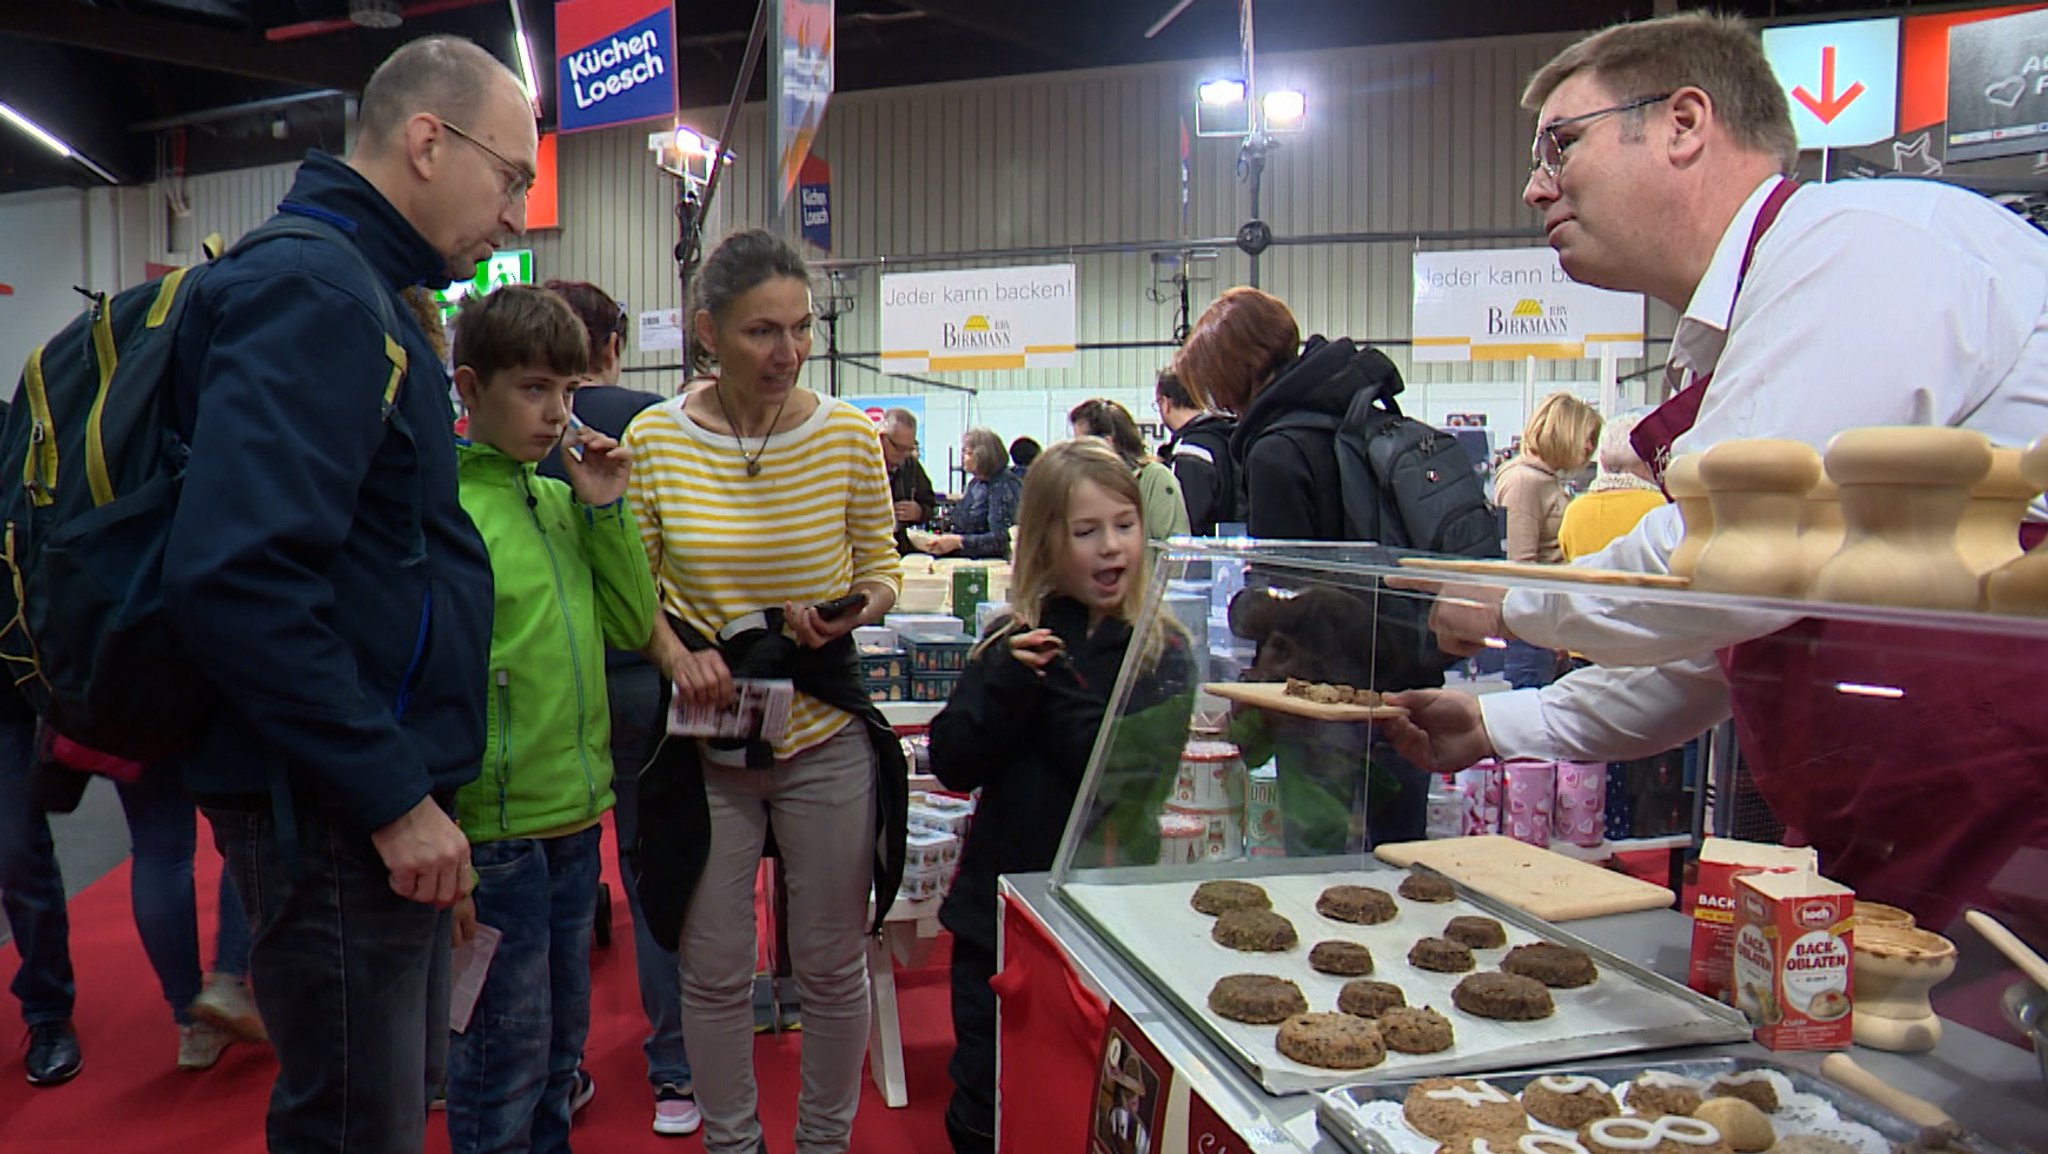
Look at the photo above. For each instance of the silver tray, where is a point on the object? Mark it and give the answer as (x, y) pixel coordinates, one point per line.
(1706, 1021)
(1335, 1117)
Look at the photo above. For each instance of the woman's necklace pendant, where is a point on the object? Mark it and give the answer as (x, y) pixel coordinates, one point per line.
(754, 468)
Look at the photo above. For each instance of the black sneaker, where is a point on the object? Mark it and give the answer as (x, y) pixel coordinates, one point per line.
(53, 1057)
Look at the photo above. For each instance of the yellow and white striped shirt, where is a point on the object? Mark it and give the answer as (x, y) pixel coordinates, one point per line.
(723, 544)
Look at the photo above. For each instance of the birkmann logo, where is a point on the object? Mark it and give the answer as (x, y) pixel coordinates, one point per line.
(977, 333)
(1528, 318)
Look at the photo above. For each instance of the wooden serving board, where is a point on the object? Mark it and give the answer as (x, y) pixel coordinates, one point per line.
(1548, 572)
(1551, 886)
(1273, 696)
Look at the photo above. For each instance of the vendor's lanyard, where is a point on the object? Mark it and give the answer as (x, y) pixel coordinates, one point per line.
(1654, 434)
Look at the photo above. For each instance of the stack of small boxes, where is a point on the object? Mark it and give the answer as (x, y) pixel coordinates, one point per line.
(936, 660)
(884, 666)
(938, 827)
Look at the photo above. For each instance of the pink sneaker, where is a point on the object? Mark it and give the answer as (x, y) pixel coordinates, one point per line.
(675, 1111)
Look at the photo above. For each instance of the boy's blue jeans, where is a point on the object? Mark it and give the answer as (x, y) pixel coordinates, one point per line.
(512, 1073)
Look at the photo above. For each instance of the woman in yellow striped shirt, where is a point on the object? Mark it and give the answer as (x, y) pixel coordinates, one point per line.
(755, 495)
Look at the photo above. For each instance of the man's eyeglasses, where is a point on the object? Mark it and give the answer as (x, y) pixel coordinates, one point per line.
(518, 178)
(1548, 151)
(900, 446)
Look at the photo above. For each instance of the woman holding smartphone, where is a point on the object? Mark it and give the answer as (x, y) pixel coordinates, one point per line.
(760, 501)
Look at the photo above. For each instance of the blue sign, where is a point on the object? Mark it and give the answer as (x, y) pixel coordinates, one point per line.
(814, 203)
(613, 62)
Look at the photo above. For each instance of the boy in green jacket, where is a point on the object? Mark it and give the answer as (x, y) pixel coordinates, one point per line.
(571, 577)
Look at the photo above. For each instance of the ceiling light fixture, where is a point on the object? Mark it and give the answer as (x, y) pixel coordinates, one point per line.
(526, 70)
(1284, 109)
(374, 13)
(49, 140)
(1220, 92)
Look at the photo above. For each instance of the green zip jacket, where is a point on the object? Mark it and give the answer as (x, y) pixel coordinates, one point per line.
(570, 580)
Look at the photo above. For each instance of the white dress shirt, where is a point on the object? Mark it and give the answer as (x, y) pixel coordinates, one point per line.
(1880, 302)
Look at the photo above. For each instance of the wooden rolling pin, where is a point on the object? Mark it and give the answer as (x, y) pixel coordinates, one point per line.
(1843, 1071)
(2009, 944)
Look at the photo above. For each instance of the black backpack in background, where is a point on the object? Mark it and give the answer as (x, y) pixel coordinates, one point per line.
(1405, 484)
(91, 466)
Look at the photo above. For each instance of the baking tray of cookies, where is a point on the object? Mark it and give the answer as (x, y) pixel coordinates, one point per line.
(1153, 926)
(1805, 1114)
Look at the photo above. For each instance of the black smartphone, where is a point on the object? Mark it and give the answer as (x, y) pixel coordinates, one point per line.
(836, 608)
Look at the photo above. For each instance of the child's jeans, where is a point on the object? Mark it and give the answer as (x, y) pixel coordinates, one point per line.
(512, 1073)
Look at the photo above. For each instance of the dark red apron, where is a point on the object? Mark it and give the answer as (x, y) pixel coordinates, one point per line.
(1931, 799)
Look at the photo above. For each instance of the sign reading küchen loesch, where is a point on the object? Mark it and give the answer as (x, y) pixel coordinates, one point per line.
(614, 62)
(1507, 304)
(967, 319)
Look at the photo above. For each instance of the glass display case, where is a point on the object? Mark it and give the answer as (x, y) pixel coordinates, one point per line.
(1289, 719)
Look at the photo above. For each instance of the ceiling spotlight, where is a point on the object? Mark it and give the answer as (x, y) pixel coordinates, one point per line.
(1284, 109)
(374, 13)
(691, 143)
(1217, 93)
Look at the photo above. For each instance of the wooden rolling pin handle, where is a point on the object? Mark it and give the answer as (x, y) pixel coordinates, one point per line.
(2009, 944)
(1843, 1071)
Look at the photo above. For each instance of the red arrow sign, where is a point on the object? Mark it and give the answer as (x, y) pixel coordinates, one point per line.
(1828, 105)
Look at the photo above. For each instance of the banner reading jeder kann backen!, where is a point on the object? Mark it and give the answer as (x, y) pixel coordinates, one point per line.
(967, 319)
(1507, 304)
(614, 62)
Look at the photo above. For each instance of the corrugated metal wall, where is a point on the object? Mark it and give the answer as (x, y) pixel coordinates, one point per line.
(1403, 140)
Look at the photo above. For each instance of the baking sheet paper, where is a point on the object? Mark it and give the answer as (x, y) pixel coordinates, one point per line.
(1165, 936)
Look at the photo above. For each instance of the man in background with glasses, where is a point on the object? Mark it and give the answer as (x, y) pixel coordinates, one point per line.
(325, 578)
(909, 487)
(1661, 165)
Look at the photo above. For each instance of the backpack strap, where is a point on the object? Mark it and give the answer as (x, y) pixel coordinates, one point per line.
(305, 226)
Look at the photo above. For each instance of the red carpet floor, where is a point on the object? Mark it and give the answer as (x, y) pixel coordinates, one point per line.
(131, 1098)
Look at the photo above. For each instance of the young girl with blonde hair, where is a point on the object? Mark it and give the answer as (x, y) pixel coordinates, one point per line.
(1023, 720)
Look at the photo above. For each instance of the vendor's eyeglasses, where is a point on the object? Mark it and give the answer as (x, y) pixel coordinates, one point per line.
(1548, 150)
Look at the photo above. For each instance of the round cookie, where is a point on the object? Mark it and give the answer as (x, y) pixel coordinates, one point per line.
(1503, 997)
(1360, 905)
(1568, 1101)
(1213, 898)
(1813, 1144)
(1477, 933)
(1741, 1124)
(1368, 999)
(1635, 1134)
(1345, 959)
(1332, 1041)
(1441, 955)
(1655, 1093)
(1511, 1142)
(1442, 1108)
(1752, 1086)
(1253, 931)
(1427, 888)
(1559, 967)
(1259, 999)
(1408, 1030)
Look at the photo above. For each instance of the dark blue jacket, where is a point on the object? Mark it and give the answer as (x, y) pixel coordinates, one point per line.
(986, 511)
(320, 568)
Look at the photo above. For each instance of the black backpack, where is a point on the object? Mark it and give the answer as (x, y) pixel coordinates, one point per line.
(92, 438)
(1405, 484)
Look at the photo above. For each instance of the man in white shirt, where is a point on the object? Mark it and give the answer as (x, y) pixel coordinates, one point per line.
(1659, 167)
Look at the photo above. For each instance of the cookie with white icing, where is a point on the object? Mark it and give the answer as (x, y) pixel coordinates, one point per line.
(1668, 1134)
(1442, 1108)
(1568, 1101)
(1658, 1092)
